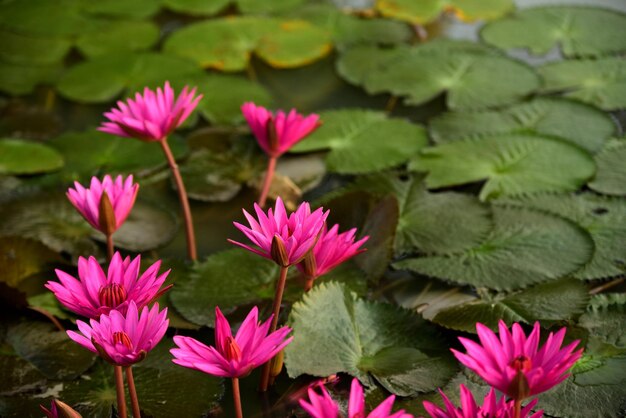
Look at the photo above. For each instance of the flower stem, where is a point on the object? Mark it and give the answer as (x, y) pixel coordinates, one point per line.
(606, 286)
(134, 401)
(267, 181)
(237, 397)
(308, 285)
(110, 248)
(278, 298)
(184, 202)
(119, 391)
(517, 408)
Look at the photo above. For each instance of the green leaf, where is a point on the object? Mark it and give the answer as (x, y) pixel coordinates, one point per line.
(49, 303)
(226, 279)
(196, 7)
(610, 176)
(51, 351)
(553, 301)
(510, 164)
(606, 319)
(574, 29)
(293, 43)
(19, 49)
(118, 36)
(105, 77)
(574, 122)
(223, 44)
(21, 257)
(18, 376)
(136, 9)
(47, 18)
(603, 218)
(600, 82)
(420, 12)
(22, 79)
(359, 140)
(524, 248)
(25, 157)
(473, 77)
(336, 332)
(267, 6)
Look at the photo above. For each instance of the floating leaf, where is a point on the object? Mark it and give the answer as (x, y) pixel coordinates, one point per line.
(25, 157)
(574, 29)
(472, 78)
(553, 301)
(21, 257)
(611, 173)
(105, 77)
(525, 247)
(18, 376)
(510, 164)
(19, 49)
(603, 218)
(136, 9)
(49, 303)
(267, 6)
(22, 79)
(424, 11)
(336, 332)
(196, 7)
(118, 36)
(606, 319)
(600, 82)
(48, 18)
(293, 44)
(226, 279)
(50, 350)
(574, 122)
(359, 140)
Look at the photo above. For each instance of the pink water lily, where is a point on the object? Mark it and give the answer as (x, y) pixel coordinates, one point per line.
(120, 192)
(514, 364)
(491, 407)
(59, 409)
(277, 133)
(123, 340)
(281, 238)
(95, 293)
(151, 116)
(332, 248)
(322, 405)
(232, 356)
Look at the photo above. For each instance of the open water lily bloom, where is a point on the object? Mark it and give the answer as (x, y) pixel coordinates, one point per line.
(277, 133)
(491, 407)
(331, 249)
(233, 356)
(151, 116)
(284, 239)
(121, 194)
(321, 405)
(514, 364)
(123, 340)
(95, 293)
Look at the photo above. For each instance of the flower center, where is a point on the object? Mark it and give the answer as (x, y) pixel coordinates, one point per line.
(112, 295)
(121, 337)
(521, 363)
(233, 352)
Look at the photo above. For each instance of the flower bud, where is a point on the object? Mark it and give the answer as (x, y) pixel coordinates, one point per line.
(278, 252)
(107, 215)
(519, 388)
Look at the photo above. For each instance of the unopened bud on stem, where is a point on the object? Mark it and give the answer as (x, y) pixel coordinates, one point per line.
(107, 215)
(278, 252)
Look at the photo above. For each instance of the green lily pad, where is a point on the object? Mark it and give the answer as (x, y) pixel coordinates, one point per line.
(600, 82)
(51, 351)
(118, 36)
(556, 301)
(18, 376)
(603, 218)
(358, 140)
(105, 77)
(420, 12)
(196, 7)
(21, 257)
(20, 49)
(267, 6)
(48, 18)
(610, 176)
(605, 318)
(226, 279)
(25, 157)
(510, 164)
(293, 44)
(472, 77)
(91, 153)
(574, 122)
(334, 331)
(136, 9)
(430, 222)
(22, 79)
(524, 248)
(574, 29)
(50, 304)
